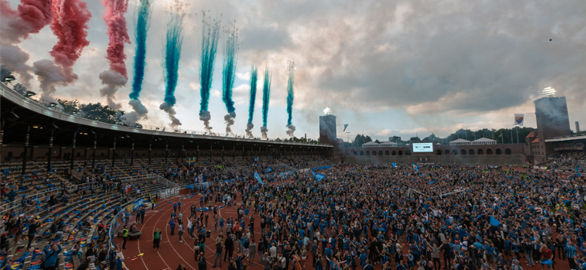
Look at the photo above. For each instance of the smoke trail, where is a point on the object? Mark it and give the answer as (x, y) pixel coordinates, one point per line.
(209, 44)
(253, 79)
(14, 59)
(142, 26)
(139, 112)
(172, 55)
(266, 92)
(230, 51)
(30, 17)
(49, 75)
(70, 26)
(118, 35)
(290, 101)
(70, 18)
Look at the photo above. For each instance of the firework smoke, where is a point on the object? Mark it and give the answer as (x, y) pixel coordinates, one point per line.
(229, 119)
(29, 18)
(14, 59)
(49, 75)
(69, 24)
(142, 26)
(116, 76)
(139, 112)
(171, 112)
(290, 126)
(266, 92)
(172, 55)
(209, 44)
(113, 80)
(253, 79)
(70, 18)
(228, 76)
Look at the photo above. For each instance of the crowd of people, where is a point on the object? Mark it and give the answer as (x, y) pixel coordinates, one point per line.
(403, 217)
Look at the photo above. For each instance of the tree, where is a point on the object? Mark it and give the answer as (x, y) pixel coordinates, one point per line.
(360, 139)
(98, 112)
(69, 106)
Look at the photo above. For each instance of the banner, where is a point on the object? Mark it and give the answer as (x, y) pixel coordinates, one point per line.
(519, 117)
(138, 203)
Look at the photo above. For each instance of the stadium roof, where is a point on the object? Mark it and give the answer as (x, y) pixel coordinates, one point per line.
(381, 144)
(565, 139)
(484, 140)
(460, 141)
(41, 110)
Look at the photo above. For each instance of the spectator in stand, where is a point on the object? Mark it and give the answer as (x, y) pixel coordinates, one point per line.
(51, 257)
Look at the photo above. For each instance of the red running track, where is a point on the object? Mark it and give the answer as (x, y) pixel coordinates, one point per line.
(172, 252)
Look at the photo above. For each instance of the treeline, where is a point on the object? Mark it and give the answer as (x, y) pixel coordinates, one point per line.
(503, 135)
(93, 111)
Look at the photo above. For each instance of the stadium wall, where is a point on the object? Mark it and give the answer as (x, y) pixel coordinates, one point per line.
(463, 154)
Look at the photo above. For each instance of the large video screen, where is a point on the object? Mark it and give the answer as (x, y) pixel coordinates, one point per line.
(422, 147)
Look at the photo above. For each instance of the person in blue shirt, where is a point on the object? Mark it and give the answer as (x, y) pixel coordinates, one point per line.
(51, 260)
(172, 226)
(571, 254)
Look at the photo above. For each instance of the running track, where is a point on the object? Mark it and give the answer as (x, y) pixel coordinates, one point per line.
(172, 252)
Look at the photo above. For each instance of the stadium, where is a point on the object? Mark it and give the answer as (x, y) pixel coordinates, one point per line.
(104, 165)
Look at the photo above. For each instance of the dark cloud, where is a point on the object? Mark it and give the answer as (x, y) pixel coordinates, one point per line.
(497, 60)
(264, 38)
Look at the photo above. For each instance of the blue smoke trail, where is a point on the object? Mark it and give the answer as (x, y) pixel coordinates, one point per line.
(228, 73)
(253, 79)
(290, 101)
(209, 44)
(171, 64)
(266, 92)
(142, 26)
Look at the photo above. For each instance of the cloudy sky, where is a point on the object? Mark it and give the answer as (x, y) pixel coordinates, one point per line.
(384, 67)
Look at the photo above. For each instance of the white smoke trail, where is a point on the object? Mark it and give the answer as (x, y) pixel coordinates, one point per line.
(264, 131)
(291, 130)
(112, 81)
(49, 75)
(140, 112)
(14, 59)
(205, 117)
(229, 118)
(249, 127)
(171, 112)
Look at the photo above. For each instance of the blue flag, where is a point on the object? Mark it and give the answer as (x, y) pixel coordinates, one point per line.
(268, 170)
(394, 165)
(258, 179)
(494, 221)
(319, 177)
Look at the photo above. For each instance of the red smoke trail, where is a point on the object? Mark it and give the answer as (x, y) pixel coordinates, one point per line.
(114, 17)
(70, 26)
(31, 17)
